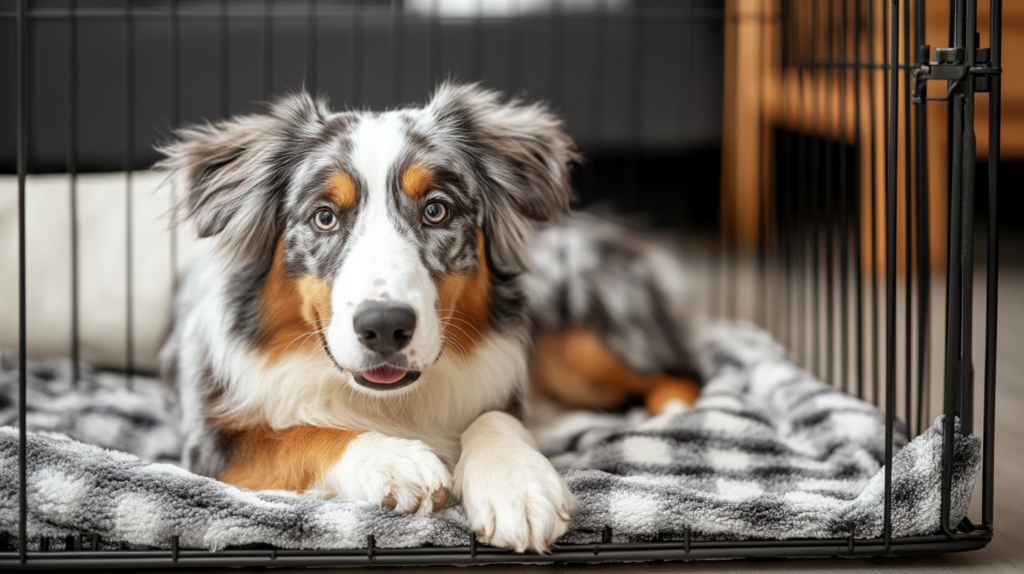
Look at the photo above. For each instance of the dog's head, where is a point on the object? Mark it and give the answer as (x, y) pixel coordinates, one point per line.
(383, 235)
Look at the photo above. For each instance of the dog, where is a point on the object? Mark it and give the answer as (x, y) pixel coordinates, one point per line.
(364, 324)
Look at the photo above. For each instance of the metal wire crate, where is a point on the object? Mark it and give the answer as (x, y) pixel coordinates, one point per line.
(813, 210)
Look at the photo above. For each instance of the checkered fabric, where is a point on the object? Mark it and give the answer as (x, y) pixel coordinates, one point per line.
(767, 452)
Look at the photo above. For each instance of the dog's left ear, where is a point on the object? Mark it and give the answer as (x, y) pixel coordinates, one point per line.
(521, 157)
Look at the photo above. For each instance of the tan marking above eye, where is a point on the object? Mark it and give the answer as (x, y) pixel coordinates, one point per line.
(341, 190)
(416, 180)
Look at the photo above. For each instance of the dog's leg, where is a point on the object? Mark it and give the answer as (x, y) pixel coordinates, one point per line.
(340, 464)
(514, 498)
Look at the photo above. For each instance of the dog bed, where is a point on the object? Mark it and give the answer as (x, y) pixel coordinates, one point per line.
(767, 452)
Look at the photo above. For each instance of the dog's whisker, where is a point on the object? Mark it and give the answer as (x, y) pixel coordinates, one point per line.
(463, 331)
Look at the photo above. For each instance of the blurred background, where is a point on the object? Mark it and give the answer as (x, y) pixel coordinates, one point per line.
(638, 82)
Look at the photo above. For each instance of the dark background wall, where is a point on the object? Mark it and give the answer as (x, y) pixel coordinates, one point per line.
(638, 83)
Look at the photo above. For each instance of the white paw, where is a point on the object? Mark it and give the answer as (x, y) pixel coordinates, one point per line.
(397, 473)
(514, 498)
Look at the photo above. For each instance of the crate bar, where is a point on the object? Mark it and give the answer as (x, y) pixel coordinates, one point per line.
(967, 238)
(873, 274)
(175, 115)
(816, 112)
(890, 264)
(22, 134)
(129, 165)
(311, 44)
(923, 238)
(223, 41)
(267, 48)
(72, 166)
(584, 553)
(765, 194)
(356, 54)
(954, 301)
(397, 45)
(908, 241)
(830, 215)
(799, 232)
(844, 216)
(858, 267)
(992, 281)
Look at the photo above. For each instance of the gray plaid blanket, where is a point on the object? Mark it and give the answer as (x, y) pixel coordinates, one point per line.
(767, 452)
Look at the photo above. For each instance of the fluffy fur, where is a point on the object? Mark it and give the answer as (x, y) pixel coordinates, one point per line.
(318, 216)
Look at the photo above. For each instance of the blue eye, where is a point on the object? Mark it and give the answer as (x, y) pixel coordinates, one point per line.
(435, 213)
(325, 220)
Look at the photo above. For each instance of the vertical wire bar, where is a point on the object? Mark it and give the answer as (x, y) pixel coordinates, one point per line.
(908, 223)
(890, 264)
(557, 59)
(434, 40)
(175, 70)
(72, 163)
(801, 219)
(817, 139)
(992, 281)
(633, 20)
(858, 267)
(844, 216)
(924, 281)
(223, 64)
(967, 237)
(786, 244)
(129, 165)
(476, 50)
(873, 273)
(830, 83)
(763, 190)
(267, 48)
(311, 46)
(22, 129)
(953, 283)
(397, 46)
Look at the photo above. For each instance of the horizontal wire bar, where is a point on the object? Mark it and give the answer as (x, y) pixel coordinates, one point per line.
(327, 11)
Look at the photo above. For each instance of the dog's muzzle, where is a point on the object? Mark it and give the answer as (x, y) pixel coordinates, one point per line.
(385, 328)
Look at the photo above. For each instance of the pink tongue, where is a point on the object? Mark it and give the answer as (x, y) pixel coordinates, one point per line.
(384, 375)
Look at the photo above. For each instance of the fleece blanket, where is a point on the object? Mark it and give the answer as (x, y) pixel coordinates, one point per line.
(767, 452)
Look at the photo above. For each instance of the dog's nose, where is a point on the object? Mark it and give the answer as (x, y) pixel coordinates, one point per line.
(384, 327)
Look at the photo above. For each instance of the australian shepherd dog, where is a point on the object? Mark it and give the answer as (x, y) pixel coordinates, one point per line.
(380, 294)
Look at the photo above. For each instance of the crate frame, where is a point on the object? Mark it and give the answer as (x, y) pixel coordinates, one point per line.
(966, 74)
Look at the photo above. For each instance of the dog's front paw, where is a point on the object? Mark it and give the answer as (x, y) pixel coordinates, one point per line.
(514, 499)
(397, 473)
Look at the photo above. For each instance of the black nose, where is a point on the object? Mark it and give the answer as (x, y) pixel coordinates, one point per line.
(384, 327)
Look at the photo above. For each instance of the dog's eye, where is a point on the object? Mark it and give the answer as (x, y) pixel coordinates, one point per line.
(435, 213)
(325, 220)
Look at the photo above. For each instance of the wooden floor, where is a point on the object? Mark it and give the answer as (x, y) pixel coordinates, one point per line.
(1004, 554)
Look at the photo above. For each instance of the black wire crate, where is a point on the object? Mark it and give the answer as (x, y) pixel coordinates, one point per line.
(832, 230)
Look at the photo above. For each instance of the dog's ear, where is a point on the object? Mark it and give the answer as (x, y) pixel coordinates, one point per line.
(521, 157)
(234, 172)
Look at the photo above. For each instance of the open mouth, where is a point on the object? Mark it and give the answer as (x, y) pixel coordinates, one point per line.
(386, 378)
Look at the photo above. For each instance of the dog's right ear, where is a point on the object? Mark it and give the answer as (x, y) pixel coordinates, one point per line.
(235, 172)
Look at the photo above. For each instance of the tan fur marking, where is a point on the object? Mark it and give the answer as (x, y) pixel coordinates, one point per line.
(416, 180)
(464, 304)
(342, 190)
(577, 370)
(290, 310)
(294, 458)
